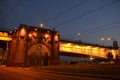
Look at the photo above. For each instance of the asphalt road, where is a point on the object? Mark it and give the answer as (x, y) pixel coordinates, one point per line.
(13, 73)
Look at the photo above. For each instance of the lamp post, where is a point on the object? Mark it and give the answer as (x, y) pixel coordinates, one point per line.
(109, 39)
(78, 36)
(102, 39)
(41, 25)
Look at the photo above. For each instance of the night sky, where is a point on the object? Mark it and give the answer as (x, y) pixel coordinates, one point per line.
(94, 19)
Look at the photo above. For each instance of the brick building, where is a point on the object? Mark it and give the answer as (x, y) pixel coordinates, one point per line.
(33, 46)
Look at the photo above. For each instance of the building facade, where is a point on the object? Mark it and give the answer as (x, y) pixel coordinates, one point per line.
(33, 46)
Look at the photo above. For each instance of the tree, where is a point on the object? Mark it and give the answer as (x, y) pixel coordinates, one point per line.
(109, 56)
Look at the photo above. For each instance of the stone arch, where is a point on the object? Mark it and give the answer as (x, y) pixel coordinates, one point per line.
(38, 54)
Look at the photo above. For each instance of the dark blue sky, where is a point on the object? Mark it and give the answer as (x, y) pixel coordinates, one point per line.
(94, 19)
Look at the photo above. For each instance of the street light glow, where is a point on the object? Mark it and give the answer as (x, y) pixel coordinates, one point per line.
(109, 39)
(35, 29)
(41, 25)
(30, 35)
(78, 33)
(102, 39)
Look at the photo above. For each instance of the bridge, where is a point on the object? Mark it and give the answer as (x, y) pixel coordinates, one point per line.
(69, 48)
(30, 45)
(4, 36)
(75, 49)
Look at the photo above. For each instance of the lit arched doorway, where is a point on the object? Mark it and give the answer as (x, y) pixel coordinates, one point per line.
(38, 54)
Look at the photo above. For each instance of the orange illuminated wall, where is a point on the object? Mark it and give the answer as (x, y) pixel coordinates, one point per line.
(85, 49)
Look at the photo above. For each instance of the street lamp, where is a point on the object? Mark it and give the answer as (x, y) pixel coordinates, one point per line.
(115, 45)
(41, 25)
(78, 36)
(109, 39)
(91, 58)
(102, 39)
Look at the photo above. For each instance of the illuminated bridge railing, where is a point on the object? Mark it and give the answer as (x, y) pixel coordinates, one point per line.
(85, 49)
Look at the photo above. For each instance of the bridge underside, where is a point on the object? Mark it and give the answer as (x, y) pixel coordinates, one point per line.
(70, 54)
(73, 54)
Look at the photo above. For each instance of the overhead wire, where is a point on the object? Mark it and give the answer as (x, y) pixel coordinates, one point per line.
(85, 14)
(107, 28)
(19, 2)
(96, 29)
(99, 27)
(65, 11)
(84, 34)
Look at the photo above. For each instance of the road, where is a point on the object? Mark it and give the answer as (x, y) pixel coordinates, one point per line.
(17, 73)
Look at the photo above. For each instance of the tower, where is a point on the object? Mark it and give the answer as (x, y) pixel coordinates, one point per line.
(33, 46)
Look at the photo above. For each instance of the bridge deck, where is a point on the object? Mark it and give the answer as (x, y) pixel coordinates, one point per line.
(69, 48)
